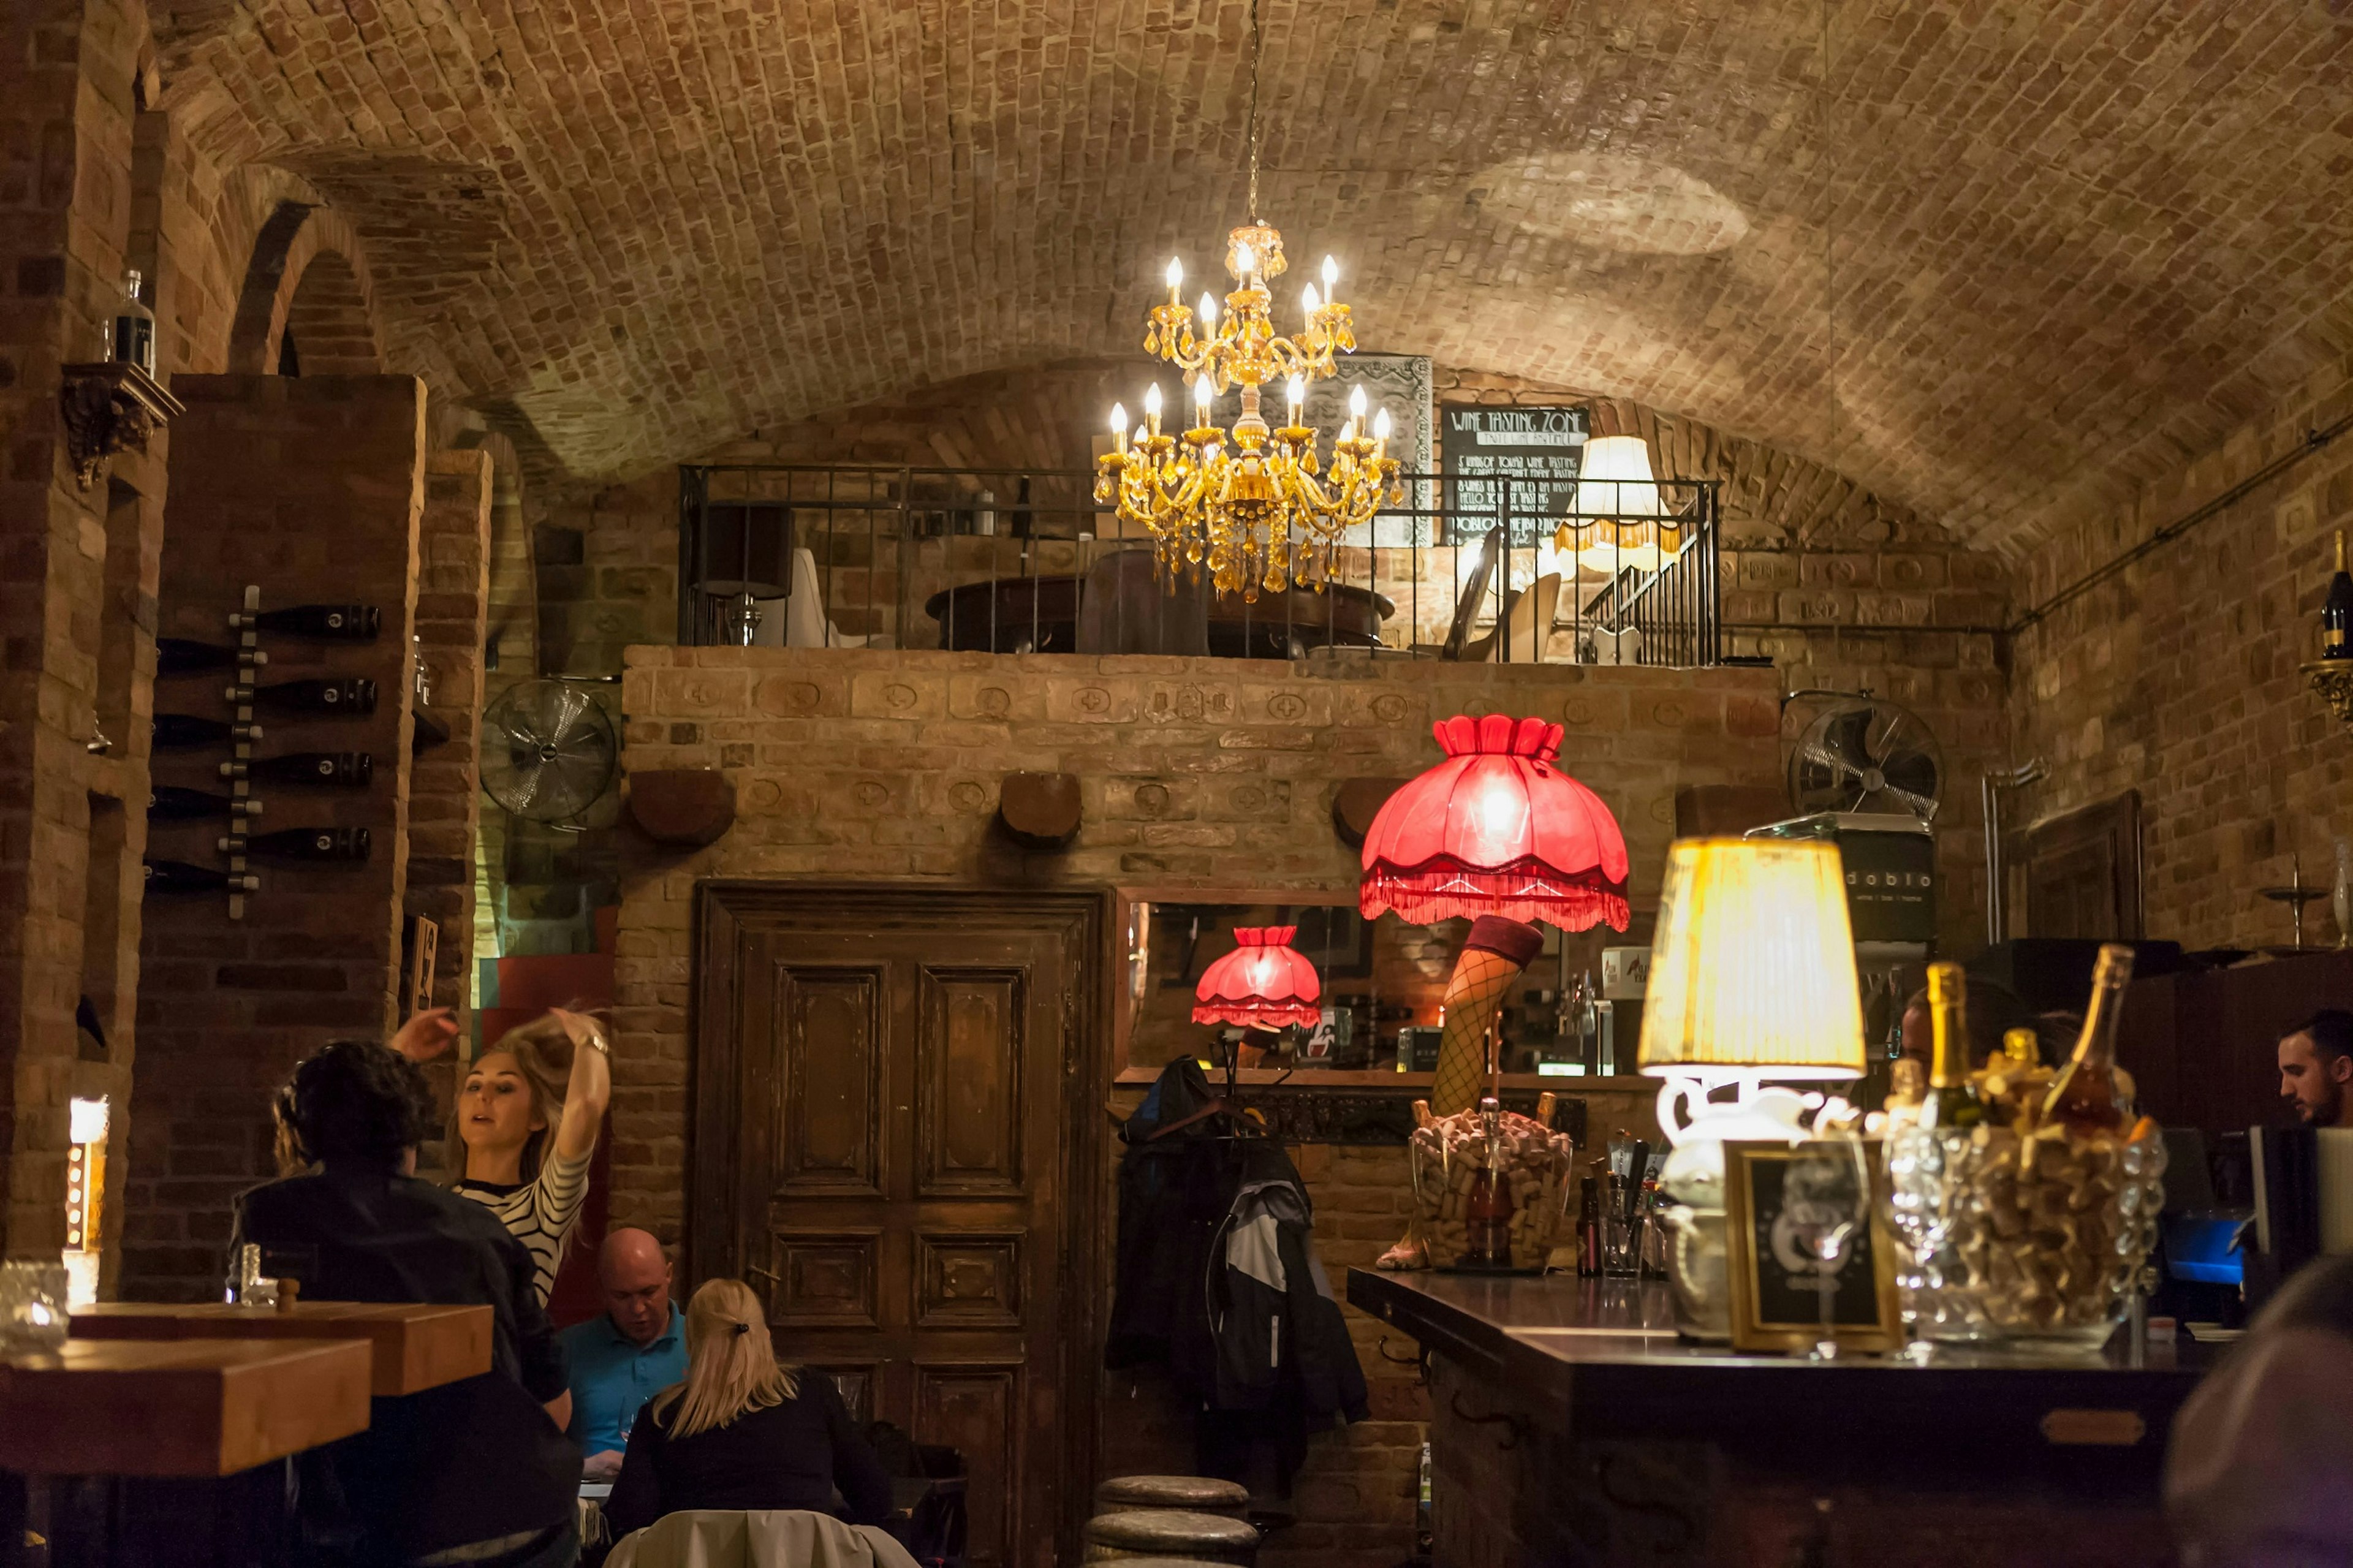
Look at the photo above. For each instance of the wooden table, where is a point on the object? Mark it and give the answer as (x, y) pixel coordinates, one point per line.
(169, 1451)
(184, 1408)
(412, 1347)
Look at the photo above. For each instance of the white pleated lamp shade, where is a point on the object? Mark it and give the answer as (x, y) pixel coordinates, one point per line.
(1753, 965)
(1615, 482)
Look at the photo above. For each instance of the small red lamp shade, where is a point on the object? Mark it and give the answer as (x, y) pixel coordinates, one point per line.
(1263, 982)
(1496, 830)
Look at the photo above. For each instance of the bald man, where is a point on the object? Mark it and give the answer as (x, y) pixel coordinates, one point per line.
(627, 1354)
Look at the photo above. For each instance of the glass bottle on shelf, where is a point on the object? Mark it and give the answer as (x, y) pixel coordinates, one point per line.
(135, 327)
(2085, 1096)
(1487, 1209)
(2336, 610)
(1952, 1100)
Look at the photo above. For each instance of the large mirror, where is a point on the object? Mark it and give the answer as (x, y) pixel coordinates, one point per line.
(1384, 983)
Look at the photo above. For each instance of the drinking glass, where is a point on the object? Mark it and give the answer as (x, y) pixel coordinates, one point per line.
(32, 1307)
(1824, 1197)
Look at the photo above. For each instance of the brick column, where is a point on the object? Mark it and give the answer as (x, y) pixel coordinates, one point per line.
(314, 489)
(74, 562)
(444, 799)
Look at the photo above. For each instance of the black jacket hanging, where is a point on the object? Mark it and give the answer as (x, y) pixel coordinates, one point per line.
(1217, 1271)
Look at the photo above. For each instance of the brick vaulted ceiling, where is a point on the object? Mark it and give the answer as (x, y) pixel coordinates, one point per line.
(2069, 241)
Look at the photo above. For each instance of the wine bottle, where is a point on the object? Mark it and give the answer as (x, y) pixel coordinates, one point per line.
(1588, 1230)
(135, 327)
(170, 802)
(2336, 610)
(328, 770)
(179, 876)
(326, 844)
(178, 730)
(1952, 1100)
(353, 696)
(321, 622)
(2085, 1096)
(184, 655)
(1487, 1207)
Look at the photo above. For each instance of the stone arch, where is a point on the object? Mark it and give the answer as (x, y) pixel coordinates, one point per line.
(307, 276)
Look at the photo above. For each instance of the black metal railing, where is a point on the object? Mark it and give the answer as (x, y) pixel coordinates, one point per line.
(1015, 561)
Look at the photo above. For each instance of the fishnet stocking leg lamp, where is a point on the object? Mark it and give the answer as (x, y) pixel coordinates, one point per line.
(1492, 956)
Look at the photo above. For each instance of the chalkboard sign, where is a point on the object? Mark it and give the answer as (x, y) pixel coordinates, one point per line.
(1540, 451)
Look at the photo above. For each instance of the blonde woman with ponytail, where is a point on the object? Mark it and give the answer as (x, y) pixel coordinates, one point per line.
(745, 1430)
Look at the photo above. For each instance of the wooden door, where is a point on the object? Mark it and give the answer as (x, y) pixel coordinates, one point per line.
(892, 1148)
(2082, 873)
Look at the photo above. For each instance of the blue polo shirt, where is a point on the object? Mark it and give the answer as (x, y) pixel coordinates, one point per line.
(612, 1375)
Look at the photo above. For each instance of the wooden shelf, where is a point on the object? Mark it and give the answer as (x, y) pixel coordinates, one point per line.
(1413, 1083)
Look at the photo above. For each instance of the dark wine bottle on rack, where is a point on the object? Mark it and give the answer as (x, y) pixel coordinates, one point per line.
(326, 623)
(182, 656)
(353, 695)
(178, 730)
(170, 802)
(328, 769)
(2336, 610)
(179, 876)
(329, 844)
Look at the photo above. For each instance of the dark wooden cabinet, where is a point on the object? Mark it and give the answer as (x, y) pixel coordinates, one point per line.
(893, 1145)
(2203, 1047)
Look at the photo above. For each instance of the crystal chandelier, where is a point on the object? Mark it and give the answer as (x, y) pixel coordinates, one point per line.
(1255, 505)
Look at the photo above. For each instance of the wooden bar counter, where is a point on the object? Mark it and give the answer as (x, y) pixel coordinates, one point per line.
(413, 1348)
(1571, 1425)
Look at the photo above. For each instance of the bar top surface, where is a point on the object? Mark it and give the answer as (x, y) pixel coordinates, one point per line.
(1601, 1358)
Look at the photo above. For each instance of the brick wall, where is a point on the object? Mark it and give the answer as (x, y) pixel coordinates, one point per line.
(2178, 678)
(262, 466)
(445, 782)
(887, 765)
(1842, 588)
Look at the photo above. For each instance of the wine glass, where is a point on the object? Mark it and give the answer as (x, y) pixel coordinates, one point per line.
(1824, 1198)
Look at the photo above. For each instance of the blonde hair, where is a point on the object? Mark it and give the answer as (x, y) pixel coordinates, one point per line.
(731, 1363)
(542, 1055)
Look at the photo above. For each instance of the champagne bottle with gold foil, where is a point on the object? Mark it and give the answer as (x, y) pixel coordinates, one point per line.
(1952, 1100)
(2336, 610)
(2086, 1096)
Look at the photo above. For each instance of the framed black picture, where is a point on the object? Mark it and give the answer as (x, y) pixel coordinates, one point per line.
(1782, 1202)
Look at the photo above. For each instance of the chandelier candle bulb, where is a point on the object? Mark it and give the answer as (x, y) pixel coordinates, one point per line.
(1309, 301)
(1119, 427)
(1331, 276)
(1176, 279)
(1209, 314)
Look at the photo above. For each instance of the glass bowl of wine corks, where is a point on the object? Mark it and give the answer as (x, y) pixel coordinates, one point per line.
(1490, 1187)
(2036, 1189)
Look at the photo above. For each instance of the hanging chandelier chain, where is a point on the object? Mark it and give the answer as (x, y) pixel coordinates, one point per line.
(1255, 51)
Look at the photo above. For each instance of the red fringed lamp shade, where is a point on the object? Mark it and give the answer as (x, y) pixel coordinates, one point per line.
(1263, 982)
(1496, 830)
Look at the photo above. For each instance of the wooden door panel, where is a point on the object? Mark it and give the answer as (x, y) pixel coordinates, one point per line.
(828, 1083)
(826, 1280)
(965, 1280)
(975, 1407)
(968, 1081)
(894, 1136)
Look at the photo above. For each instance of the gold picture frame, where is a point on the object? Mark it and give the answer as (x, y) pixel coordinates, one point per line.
(1765, 1313)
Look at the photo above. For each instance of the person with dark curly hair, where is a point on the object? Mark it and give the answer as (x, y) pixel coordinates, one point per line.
(477, 1471)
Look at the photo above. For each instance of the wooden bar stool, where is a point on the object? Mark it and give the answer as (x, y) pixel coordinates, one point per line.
(1185, 1494)
(1161, 1533)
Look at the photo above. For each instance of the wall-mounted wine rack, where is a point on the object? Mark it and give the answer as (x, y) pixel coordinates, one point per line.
(333, 697)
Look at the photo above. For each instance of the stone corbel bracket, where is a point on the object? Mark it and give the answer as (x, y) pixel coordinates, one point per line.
(683, 808)
(1040, 812)
(109, 407)
(2332, 678)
